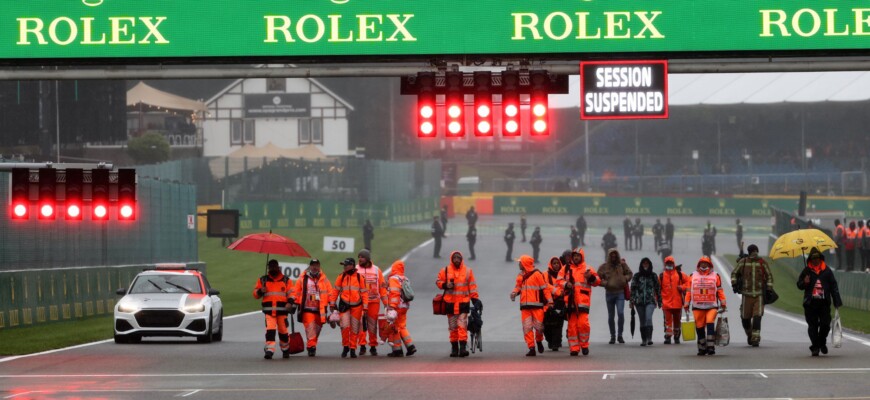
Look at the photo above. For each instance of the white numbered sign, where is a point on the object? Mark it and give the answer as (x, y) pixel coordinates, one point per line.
(292, 270)
(338, 244)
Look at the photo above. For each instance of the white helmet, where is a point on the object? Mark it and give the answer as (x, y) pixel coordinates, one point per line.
(391, 315)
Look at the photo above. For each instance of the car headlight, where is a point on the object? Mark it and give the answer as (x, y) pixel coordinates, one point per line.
(194, 308)
(127, 307)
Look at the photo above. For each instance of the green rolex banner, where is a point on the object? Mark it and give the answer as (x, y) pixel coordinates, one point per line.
(124, 29)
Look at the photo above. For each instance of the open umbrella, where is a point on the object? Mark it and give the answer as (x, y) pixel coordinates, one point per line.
(269, 243)
(799, 242)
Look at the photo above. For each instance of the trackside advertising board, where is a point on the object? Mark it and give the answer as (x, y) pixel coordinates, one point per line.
(191, 29)
(623, 89)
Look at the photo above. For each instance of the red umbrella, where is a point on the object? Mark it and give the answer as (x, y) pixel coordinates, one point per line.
(269, 243)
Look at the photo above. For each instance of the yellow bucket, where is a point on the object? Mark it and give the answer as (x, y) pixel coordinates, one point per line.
(688, 328)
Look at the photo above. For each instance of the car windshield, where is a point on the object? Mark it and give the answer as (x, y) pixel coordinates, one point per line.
(168, 283)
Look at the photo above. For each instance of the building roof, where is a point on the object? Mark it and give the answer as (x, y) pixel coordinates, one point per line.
(144, 94)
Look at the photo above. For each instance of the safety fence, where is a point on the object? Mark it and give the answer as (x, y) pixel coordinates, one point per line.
(29, 297)
(226, 180)
(332, 214)
(724, 206)
(162, 232)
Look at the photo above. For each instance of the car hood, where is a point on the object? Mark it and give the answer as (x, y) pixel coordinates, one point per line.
(161, 300)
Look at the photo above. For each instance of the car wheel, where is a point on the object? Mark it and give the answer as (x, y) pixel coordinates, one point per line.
(219, 336)
(122, 339)
(206, 337)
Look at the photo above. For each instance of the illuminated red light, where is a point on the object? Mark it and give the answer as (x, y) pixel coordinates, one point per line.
(46, 210)
(73, 211)
(511, 110)
(483, 111)
(454, 127)
(511, 126)
(540, 126)
(427, 111)
(19, 210)
(126, 211)
(483, 127)
(454, 111)
(539, 110)
(427, 128)
(100, 211)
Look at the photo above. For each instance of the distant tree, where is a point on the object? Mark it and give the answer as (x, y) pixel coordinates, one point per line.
(150, 148)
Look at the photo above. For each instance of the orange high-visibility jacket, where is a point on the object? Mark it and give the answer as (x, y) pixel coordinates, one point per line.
(397, 276)
(325, 293)
(705, 290)
(851, 238)
(582, 288)
(277, 293)
(674, 285)
(553, 279)
(351, 288)
(375, 280)
(532, 286)
(464, 285)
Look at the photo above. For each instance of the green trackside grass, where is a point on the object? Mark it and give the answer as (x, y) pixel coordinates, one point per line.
(234, 273)
(791, 298)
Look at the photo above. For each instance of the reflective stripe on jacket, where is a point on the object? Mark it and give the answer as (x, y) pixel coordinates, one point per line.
(325, 291)
(582, 292)
(351, 288)
(464, 285)
(532, 286)
(277, 293)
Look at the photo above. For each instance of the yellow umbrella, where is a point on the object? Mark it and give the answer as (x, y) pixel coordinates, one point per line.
(799, 242)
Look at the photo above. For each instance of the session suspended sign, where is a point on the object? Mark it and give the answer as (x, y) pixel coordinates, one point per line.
(624, 89)
(191, 29)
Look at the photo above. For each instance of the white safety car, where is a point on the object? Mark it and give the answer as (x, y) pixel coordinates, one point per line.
(169, 300)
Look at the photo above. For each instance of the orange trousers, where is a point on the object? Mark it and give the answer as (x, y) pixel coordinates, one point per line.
(458, 325)
(278, 323)
(351, 324)
(372, 324)
(400, 330)
(672, 321)
(312, 324)
(533, 326)
(578, 330)
(704, 317)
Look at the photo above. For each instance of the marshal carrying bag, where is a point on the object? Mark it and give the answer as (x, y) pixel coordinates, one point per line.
(407, 290)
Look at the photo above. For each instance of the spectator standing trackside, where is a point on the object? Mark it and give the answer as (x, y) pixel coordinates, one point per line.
(712, 230)
(581, 229)
(536, 243)
(444, 221)
(627, 231)
(523, 226)
(739, 232)
(658, 231)
(368, 234)
(608, 242)
(840, 240)
(866, 244)
(574, 237)
(471, 216)
(820, 289)
(437, 233)
(638, 234)
(851, 245)
(471, 235)
(509, 237)
(615, 276)
(860, 250)
(669, 233)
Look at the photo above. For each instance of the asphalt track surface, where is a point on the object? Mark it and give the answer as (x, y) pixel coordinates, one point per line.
(233, 369)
